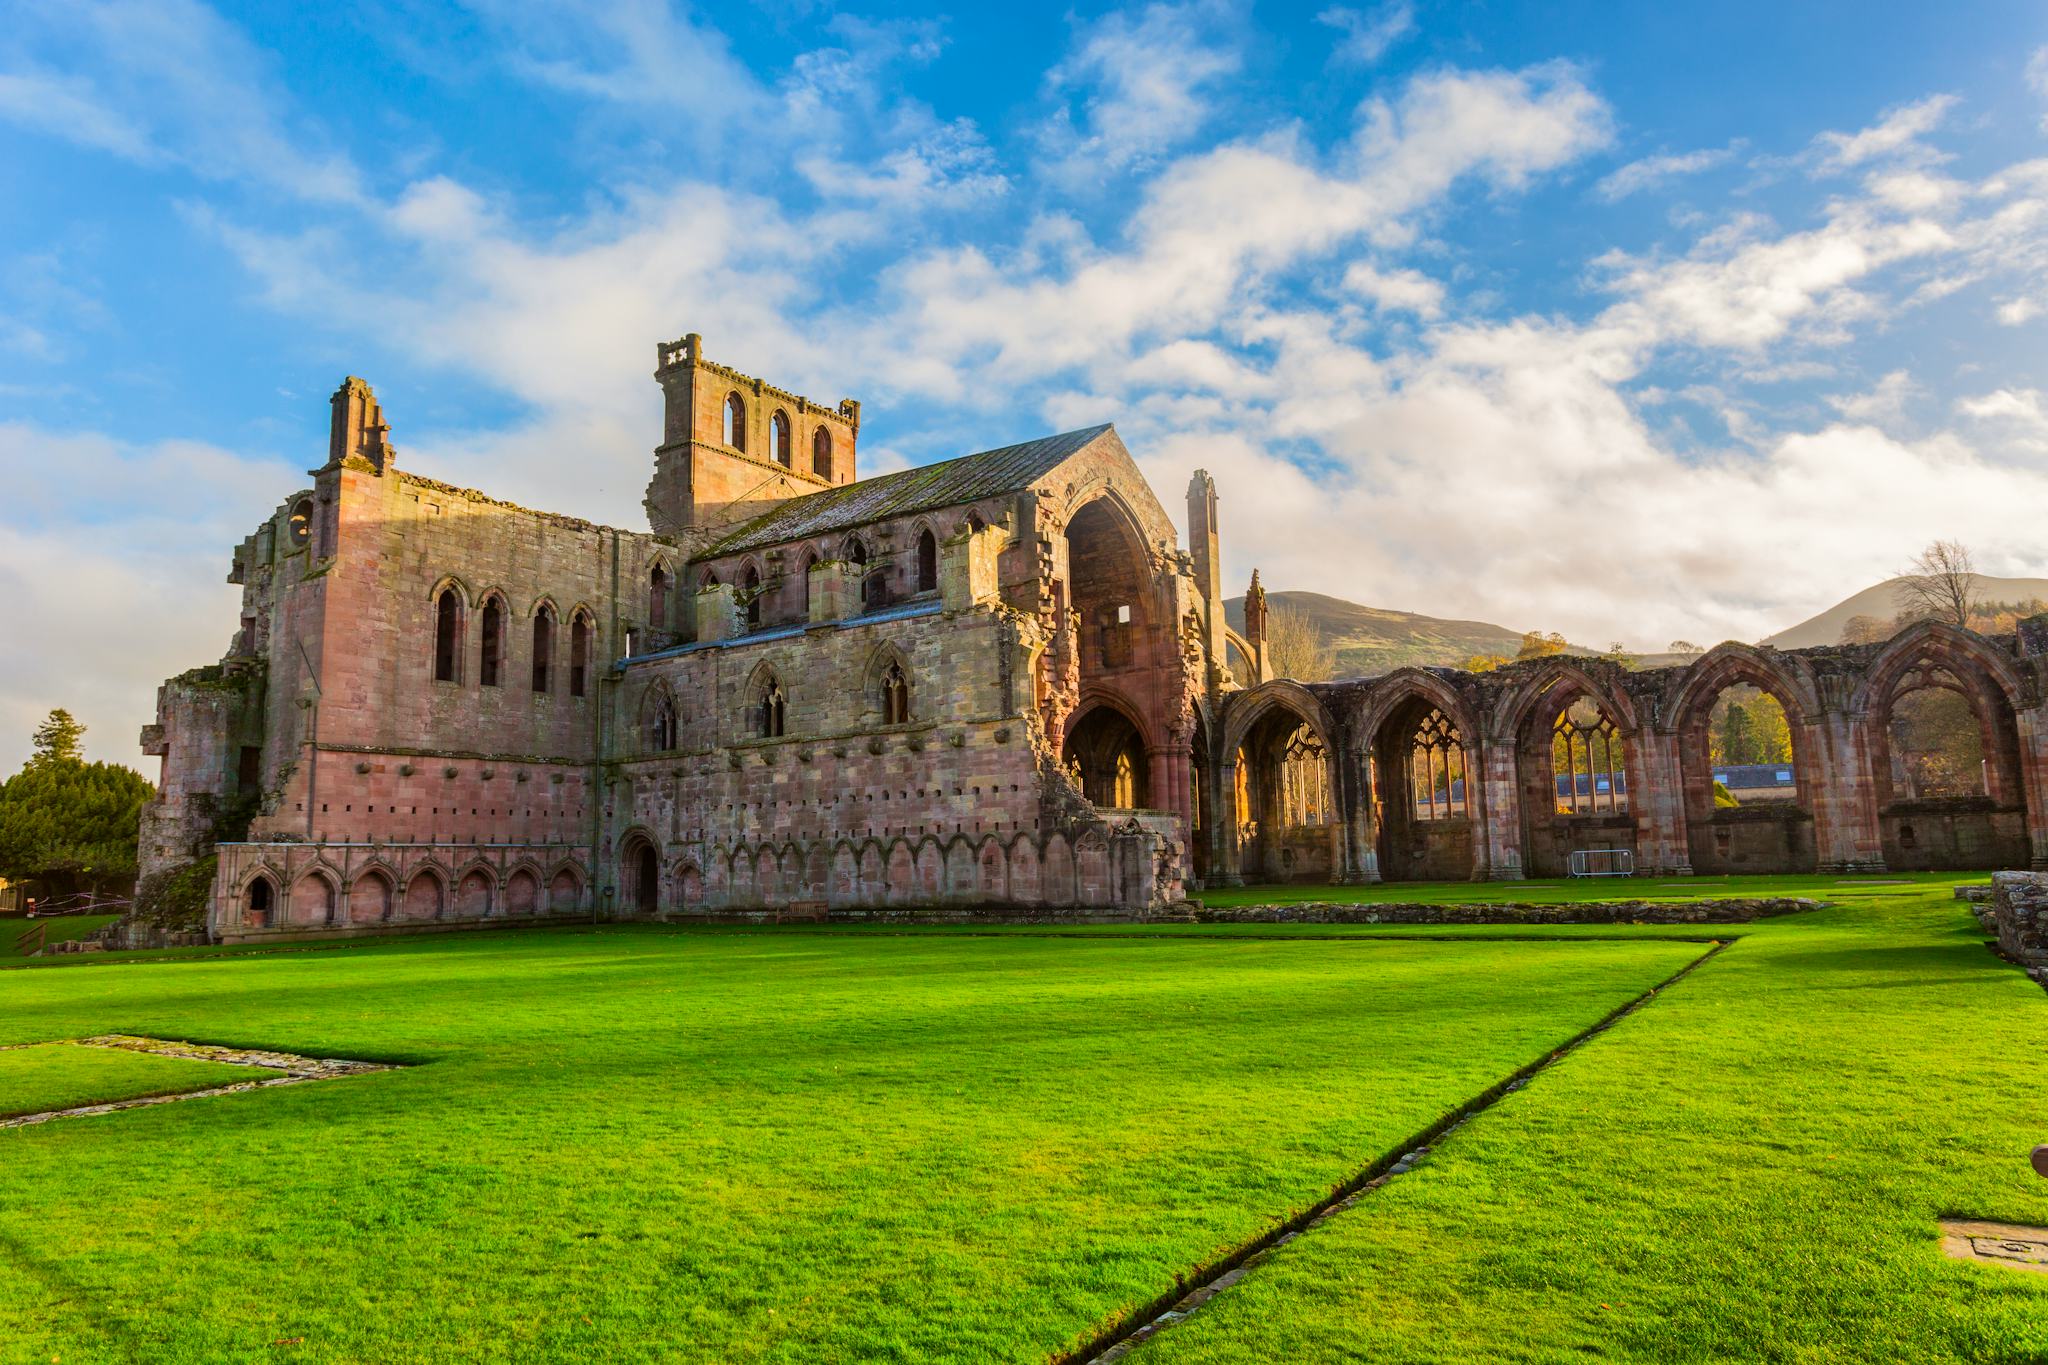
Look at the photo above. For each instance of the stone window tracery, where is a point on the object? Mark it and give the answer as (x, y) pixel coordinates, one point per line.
(772, 710)
(895, 696)
(1588, 761)
(661, 725)
(1436, 769)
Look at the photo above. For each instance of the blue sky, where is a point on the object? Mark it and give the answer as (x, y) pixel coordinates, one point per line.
(1635, 322)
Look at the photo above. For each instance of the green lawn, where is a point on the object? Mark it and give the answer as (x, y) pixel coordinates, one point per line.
(1750, 1169)
(63, 1076)
(930, 1145)
(737, 1147)
(55, 929)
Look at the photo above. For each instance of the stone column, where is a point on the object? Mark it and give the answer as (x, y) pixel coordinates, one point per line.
(1354, 809)
(1656, 797)
(1497, 851)
(2032, 728)
(1846, 834)
(1225, 857)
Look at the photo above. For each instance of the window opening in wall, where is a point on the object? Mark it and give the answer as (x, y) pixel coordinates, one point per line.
(249, 769)
(778, 439)
(543, 647)
(1936, 742)
(1588, 760)
(657, 598)
(750, 595)
(821, 454)
(895, 696)
(927, 562)
(661, 728)
(299, 527)
(772, 715)
(493, 643)
(579, 653)
(447, 635)
(1436, 769)
(735, 422)
(804, 591)
(259, 903)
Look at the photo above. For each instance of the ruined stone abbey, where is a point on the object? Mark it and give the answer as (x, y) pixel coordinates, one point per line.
(994, 682)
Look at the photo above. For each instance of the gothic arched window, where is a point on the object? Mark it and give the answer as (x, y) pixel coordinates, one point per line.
(1437, 776)
(735, 421)
(895, 696)
(778, 440)
(579, 653)
(448, 636)
(492, 660)
(661, 725)
(772, 711)
(657, 598)
(927, 562)
(750, 595)
(821, 454)
(543, 646)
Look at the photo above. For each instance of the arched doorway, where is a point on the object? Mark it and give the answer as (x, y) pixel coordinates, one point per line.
(258, 903)
(1105, 755)
(641, 869)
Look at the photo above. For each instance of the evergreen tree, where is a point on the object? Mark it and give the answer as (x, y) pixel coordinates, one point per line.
(67, 824)
(57, 738)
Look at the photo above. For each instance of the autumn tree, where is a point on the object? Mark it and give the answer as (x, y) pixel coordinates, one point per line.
(1537, 645)
(1867, 630)
(1295, 648)
(1685, 647)
(1940, 585)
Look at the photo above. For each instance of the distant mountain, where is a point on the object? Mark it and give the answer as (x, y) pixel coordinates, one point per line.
(1882, 602)
(1370, 640)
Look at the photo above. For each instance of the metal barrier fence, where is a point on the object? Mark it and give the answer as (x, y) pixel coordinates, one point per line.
(1602, 862)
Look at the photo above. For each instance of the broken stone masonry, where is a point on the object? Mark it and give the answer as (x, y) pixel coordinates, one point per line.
(997, 682)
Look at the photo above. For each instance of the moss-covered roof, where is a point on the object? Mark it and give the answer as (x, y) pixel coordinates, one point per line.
(949, 483)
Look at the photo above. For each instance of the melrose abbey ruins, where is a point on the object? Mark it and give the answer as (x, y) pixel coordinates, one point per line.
(995, 683)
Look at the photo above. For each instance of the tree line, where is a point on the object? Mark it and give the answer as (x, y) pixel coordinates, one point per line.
(67, 825)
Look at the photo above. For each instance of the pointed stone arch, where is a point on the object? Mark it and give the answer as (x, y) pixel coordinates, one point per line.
(1778, 837)
(426, 893)
(373, 893)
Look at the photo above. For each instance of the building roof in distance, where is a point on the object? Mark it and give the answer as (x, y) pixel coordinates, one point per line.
(948, 483)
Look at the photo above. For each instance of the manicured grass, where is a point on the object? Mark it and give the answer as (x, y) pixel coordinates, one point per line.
(1749, 1169)
(64, 1076)
(637, 1142)
(56, 929)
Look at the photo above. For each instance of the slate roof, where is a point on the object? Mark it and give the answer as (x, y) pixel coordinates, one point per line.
(949, 483)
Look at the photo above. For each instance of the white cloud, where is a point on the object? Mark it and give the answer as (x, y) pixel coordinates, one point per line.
(2037, 79)
(1143, 81)
(1367, 37)
(1403, 290)
(2016, 312)
(1897, 135)
(113, 559)
(1653, 171)
(1884, 403)
(171, 82)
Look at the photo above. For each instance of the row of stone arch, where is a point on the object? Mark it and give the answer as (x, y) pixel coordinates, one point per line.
(733, 431)
(1087, 871)
(1499, 815)
(550, 663)
(323, 896)
(888, 687)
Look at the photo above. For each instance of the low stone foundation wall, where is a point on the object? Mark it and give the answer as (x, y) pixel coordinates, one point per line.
(2019, 916)
(1514, 912)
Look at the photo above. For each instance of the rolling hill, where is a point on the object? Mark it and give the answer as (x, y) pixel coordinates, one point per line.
(1881, 600)
(1371, 640)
